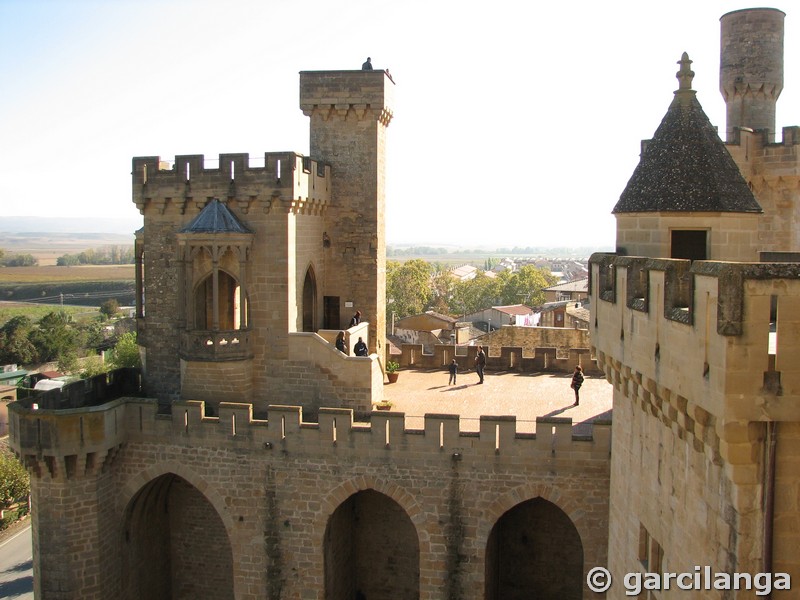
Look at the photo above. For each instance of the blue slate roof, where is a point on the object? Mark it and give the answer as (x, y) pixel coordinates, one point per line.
(215, 218)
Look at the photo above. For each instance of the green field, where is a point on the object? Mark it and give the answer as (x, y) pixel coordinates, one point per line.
(9, 310)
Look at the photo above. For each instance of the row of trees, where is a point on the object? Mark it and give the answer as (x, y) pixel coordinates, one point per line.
(18, 260)
(414, 286)
(107, 255)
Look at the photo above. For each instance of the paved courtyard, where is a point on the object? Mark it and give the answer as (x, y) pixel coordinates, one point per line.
(527, 396)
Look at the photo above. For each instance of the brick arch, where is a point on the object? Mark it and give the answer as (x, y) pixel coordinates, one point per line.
(502, 504)
(423, 527)
(130, 488)
(333, 499)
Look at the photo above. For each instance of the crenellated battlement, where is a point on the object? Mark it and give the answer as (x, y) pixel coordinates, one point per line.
(68, 443)
(735, 324)
(286, 180)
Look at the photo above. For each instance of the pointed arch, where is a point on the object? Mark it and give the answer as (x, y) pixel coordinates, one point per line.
(371, 547)
(216, 302)
(168, 527)
(534, 549)
(309, 304)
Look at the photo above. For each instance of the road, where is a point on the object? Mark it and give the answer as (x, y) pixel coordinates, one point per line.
(16, 566)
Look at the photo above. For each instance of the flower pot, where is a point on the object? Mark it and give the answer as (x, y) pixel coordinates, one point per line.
(383, 406)
(392, 377)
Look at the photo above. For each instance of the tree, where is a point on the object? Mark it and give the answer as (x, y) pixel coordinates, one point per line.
(525, 286)
(408, 287)
(109, 308)
(15, 482)
(126, 352)
(476, 294)
(15, 343)
(55, 335)
(442, 285)
(93, 365)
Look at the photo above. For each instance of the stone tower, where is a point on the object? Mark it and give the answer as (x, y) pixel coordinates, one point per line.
(350, 111)
(751, 80)
(751, 68)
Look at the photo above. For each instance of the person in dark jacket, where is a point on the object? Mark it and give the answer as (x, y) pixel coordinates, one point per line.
(577, 382)
(340, 343)
(360, 348)
(356, 319)
(480, 363)
(453, 372)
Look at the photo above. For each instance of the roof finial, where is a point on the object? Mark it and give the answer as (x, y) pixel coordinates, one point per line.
(685, 75)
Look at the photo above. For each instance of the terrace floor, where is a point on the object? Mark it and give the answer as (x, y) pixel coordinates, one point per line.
(526, 395)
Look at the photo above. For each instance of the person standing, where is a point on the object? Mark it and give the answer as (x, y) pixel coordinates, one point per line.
(367, 66)
(453, 372)
(577, 382)
(480, 362)
(360, 348)
(356, 319)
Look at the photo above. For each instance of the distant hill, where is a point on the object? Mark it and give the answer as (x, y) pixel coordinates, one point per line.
(72, 225)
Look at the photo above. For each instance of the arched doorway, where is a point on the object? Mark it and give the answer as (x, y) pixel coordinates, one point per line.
(371, 550)
(534, 551)
(175, 545)
(309, 301)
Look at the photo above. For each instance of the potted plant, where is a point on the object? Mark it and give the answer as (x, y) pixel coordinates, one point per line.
(383, 405)
(392, 368)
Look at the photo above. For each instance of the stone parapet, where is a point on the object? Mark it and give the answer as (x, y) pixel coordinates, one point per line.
(287, 181)
(65, 442)
(653, 317)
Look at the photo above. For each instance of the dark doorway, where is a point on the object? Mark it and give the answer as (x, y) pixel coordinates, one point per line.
(371, 550)
(330, 318)
(534, 551)
(309, 301)
(175, 545)
(689, 244)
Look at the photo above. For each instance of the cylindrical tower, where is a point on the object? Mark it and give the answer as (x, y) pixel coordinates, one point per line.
(751, 68)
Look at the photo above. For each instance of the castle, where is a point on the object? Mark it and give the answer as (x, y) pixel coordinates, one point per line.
(243, 470)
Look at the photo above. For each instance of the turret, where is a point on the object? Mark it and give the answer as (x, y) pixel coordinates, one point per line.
(751, 68)
(687, 198)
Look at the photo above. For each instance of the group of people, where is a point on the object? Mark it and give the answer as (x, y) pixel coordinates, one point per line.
(360, 348)
(480, 364)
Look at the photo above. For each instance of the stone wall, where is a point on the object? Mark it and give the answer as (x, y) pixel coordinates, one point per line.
(772, 170)
(274, 485)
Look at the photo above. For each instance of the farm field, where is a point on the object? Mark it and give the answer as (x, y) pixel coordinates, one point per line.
(52, 274)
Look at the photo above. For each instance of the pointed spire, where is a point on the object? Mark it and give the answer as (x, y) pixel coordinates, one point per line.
(685, 74)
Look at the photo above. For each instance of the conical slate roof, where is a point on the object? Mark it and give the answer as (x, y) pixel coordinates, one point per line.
(215, 218)
(686, 167)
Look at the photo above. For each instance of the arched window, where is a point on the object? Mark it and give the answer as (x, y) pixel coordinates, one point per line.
(218, 305)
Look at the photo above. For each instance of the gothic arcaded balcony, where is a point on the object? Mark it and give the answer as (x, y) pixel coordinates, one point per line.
(216, 345)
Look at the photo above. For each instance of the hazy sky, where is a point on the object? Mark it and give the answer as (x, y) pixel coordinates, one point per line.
(515, 123)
